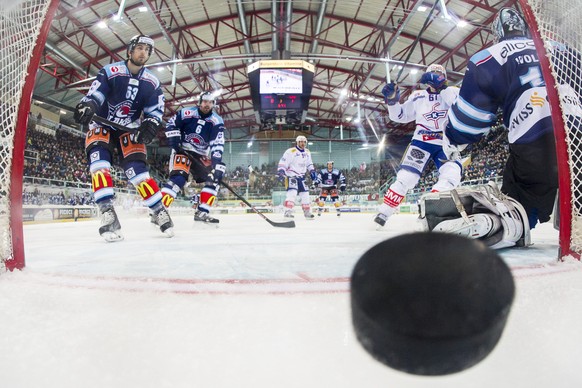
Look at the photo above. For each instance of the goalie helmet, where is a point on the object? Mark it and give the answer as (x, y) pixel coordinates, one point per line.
(436, 68)
(206, 96)
(143, 39)
(509, 23)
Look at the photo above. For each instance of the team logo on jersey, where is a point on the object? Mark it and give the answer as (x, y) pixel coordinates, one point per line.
(188, 113)
(121, 113)
(196, 139)
(435, 115)
(114, 69)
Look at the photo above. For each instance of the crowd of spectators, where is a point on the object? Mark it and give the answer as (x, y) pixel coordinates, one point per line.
(59, 160)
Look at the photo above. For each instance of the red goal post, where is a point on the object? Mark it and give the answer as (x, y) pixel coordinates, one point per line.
(24, 25)
(557, 32)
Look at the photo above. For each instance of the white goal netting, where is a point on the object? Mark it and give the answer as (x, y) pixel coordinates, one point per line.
(21, 23)
(560, 30)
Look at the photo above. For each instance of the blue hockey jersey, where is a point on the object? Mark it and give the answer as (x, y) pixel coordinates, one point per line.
(331, 179)
(202, 135)
(123, 97)
(507, 75)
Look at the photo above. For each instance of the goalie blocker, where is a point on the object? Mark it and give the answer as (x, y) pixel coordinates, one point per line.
(481, 212)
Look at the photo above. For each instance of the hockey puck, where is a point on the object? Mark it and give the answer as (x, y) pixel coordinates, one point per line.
(430, 303)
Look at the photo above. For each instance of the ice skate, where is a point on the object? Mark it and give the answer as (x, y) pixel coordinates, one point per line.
(380, 219)
(308, 215)
(288, 214)
(161, 217)
(110, 226)
(204, 217)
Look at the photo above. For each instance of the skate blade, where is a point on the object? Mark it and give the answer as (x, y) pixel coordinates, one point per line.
(207, 225)
(112, 236)
(169, 232)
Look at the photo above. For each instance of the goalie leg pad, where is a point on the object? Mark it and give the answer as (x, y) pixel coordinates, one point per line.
(485, 199)
(479, 226)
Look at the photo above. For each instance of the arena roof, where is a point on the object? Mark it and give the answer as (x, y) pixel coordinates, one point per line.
(207, 45)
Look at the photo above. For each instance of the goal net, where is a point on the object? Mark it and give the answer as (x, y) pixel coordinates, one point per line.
(23, 29)
(557, 32)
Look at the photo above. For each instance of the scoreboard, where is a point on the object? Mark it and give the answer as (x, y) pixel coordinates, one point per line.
(280, 90)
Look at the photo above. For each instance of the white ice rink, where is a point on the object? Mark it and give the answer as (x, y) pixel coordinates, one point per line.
(249, 305)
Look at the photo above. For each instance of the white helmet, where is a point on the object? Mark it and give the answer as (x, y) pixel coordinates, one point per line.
(436, 68)
(300, 138)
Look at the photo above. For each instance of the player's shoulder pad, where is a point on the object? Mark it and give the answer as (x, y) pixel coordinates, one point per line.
(148, 76)
(216, 119)
(116, 69)
(292, 150)
(189, 113)
(481, 57)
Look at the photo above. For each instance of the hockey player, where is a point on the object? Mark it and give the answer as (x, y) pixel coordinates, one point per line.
(296, 161)
(331, 180)
(196, 135)
(507, 75)
(123, 92)
(429, 109)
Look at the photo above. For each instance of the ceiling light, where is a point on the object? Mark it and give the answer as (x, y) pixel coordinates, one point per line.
(462, 24)
(422, 8)
(102, 24)
(413, 71)
(143, 9)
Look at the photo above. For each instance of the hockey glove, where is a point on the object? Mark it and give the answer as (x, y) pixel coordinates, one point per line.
(313, 175)
(452, 151)
(343, 187)
(84, 111)
(391, 93)
(174, 139)
(148, 130)
(216, 174)
(436, 80)
(281, 175)
(316, 182)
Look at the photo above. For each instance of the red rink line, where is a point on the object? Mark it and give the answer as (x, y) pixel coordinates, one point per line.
(303, 284)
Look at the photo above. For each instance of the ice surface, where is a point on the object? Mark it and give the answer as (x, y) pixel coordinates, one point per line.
(248, 305)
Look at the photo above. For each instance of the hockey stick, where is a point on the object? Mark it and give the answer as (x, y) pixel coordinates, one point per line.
(286, 224)
(113, 124)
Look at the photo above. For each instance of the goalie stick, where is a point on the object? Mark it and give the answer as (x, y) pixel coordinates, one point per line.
(285, 224)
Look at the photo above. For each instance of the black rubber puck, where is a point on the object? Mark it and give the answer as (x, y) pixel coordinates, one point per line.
(430, 303)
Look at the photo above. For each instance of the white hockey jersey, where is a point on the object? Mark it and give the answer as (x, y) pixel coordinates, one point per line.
(429, 110)
(296, 162)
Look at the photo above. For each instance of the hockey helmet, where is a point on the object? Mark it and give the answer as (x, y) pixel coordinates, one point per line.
(301, 138)
(436, 68)
(509, 23)
(143, 39)
(206, 96)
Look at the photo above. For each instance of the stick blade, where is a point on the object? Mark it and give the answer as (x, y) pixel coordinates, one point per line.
(286, 224)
